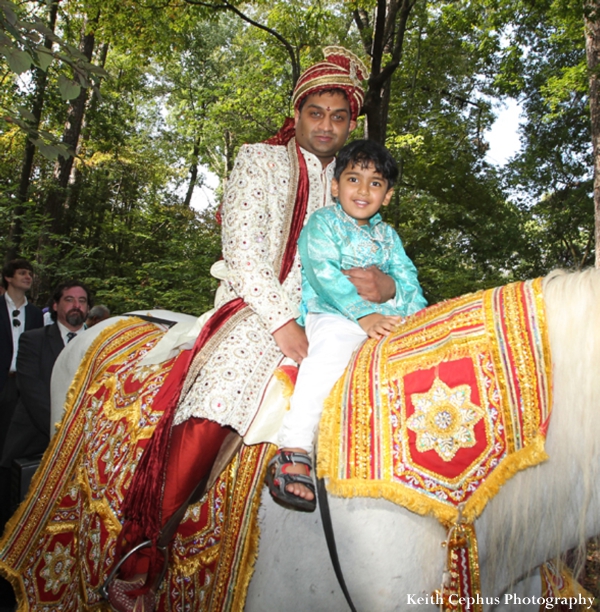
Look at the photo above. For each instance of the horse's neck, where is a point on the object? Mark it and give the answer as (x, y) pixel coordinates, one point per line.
(550, 508)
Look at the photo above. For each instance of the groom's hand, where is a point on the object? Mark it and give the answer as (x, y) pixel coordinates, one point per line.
(372, 284)
(291, 340)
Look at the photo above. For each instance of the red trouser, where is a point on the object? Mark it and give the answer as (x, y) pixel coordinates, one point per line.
(194, 446)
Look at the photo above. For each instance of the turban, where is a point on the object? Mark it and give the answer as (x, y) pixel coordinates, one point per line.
(340, 69)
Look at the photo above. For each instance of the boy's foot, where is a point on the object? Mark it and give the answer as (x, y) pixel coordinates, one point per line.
(296, 487)
(289, 481)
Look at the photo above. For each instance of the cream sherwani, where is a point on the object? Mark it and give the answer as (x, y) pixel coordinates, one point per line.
(227, 380)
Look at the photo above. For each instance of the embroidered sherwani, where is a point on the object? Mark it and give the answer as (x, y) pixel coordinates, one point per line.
(230, 374)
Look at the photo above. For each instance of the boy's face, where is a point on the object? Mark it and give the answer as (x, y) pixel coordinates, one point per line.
(361, 192)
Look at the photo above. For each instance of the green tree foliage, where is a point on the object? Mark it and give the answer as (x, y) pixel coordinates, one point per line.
(187, 83)
(542, 63)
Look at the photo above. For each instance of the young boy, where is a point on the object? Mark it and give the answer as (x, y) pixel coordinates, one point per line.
(347, 235)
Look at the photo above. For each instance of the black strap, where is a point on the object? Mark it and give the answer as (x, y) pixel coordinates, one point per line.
(151, 319)
(328, 529)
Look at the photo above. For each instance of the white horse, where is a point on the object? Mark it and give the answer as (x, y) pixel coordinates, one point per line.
(392, 559)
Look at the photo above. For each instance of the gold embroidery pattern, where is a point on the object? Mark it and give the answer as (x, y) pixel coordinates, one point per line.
(444, 418)
(56, 571)
(478, 366)
(60, 546)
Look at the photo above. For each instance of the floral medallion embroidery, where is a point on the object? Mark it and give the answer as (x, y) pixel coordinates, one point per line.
(56, 572)
(444, 418)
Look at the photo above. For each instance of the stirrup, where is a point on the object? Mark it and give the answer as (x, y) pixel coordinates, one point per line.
(103, 590)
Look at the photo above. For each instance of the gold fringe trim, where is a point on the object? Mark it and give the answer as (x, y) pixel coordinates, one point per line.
(328, 467)
(250, 553)
(419, 502)
(56, 483)
(287, 386)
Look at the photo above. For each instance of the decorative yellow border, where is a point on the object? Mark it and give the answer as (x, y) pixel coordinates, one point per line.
(332, 459)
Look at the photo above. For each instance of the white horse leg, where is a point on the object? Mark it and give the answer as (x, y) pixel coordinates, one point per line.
(293, 571)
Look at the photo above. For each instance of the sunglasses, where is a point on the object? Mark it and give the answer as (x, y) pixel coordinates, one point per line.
(16, 322)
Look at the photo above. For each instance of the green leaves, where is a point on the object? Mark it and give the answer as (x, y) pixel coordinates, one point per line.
(68, 88)
(190, 84)
(18, 61)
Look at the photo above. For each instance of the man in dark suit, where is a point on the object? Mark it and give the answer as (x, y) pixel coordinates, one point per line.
(16, 316)
(29, 430)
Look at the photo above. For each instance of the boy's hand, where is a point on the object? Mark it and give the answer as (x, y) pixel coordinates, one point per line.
(377, 325)
(291, 340)
(372, 284)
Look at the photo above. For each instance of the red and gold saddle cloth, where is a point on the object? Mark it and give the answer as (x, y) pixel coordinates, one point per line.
(60, 545)
(443, 411)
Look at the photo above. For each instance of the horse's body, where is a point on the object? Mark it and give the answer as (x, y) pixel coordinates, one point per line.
(392, 557)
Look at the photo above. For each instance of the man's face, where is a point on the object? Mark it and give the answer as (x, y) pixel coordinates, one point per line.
(72, 308)
(21, 280)
(323, 125)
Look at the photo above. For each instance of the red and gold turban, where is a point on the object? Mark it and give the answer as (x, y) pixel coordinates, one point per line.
(340, 69)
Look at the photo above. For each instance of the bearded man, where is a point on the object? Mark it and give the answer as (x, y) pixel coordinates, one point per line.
(29, 430)
(272, 190)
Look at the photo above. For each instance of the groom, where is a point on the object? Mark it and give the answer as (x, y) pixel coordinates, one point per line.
(272, 190)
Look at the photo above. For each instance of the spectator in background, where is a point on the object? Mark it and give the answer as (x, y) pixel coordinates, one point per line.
(16, 316)
(29, 430)
(97, 313)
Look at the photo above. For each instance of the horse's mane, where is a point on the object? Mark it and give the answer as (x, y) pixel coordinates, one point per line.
(555, 506)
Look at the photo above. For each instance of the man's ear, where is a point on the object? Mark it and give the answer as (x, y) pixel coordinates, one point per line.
(335, 188)
(388, 197)
(54, 305)
(352, 125)
(296, 117)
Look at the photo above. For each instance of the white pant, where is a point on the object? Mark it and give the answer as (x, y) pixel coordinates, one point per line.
(331, 341)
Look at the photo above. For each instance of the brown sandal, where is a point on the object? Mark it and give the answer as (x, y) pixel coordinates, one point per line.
(278, 478)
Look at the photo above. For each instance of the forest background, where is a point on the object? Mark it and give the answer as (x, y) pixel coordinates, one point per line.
(113, 108)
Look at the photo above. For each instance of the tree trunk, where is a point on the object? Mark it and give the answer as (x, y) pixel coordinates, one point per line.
(62, 171)
(384, 37)
(75, 180)
(41, 82)
(193, 173)
(592, 49)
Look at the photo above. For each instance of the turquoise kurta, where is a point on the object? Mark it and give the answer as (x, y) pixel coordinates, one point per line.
(333, 241)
